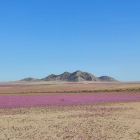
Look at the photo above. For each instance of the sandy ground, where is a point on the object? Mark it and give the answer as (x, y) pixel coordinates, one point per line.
(47, 88)
(116, 121)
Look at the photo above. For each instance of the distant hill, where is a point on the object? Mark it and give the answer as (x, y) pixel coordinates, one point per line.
(62, 77)
(107, 78)
(76, 76)
(73, 77)
(29, 79)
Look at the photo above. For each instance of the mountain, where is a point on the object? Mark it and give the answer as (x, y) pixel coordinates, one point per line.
(107, 78)
(62, 77)
(76, 76)
(81, 76)
(29, 79)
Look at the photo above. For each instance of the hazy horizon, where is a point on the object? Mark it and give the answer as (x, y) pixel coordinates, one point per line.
(40, 37)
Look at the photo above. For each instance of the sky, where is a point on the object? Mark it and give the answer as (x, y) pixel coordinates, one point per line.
(40, 37)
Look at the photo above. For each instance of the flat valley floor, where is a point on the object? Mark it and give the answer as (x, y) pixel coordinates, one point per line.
(119, 120)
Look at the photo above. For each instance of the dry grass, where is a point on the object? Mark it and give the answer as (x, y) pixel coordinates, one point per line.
(47, 88)
(118, 121)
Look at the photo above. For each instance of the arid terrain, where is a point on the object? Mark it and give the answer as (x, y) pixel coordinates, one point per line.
(47, 88)
(69, 111)
(69, 69)
(118, 121)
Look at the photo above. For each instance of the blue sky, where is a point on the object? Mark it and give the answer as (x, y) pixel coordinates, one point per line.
(39, 37)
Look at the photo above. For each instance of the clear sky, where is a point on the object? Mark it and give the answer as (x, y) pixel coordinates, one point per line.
(39, 37)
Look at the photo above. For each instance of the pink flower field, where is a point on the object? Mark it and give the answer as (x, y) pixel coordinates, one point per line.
(48, 100)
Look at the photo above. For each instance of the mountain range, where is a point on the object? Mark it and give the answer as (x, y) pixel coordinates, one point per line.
(76, 76)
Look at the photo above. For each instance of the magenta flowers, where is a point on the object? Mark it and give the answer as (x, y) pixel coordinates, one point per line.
(44, 100)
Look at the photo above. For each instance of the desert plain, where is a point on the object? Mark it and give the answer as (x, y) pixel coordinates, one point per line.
(69, 111)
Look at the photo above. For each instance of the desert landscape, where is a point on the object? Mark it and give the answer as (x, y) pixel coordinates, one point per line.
(69, 70)
(51, 110)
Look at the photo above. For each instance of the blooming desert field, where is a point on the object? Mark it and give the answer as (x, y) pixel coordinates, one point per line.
(70, 111)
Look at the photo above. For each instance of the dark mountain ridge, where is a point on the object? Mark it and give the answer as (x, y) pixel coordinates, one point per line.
(76, 76)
